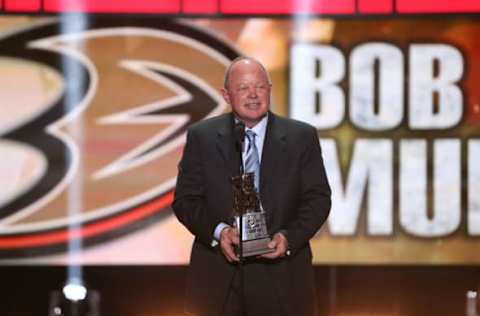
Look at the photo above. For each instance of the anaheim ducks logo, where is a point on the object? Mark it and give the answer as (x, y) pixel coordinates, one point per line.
(94, 144)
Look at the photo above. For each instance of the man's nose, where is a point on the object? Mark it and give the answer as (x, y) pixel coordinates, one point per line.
(252, 92)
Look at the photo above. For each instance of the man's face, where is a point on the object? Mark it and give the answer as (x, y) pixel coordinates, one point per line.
(248, 92)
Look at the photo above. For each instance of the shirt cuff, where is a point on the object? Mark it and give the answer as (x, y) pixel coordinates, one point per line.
(217, 232)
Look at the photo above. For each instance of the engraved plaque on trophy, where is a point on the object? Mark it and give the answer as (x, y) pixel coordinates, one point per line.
(255, 236)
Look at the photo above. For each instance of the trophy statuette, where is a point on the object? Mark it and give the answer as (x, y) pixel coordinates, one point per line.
(246, 203)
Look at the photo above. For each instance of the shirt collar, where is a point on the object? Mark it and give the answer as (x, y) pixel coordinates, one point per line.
(261, 127)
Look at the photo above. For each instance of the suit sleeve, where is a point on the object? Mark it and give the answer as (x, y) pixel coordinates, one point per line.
(314, 200)
(189, 204)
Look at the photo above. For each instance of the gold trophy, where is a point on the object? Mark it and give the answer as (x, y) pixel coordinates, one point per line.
(246, 204)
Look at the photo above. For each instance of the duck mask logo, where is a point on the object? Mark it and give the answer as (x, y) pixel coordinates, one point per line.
(93, 154)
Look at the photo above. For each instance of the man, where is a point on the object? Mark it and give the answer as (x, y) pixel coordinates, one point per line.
(293, 190)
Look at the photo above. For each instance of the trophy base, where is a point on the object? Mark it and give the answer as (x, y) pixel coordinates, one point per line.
(256, 247)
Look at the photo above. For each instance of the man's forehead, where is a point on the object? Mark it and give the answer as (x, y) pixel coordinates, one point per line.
(247, 82)
(247, 68)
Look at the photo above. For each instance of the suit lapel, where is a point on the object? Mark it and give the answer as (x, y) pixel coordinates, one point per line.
(274, 148)
(226, 147)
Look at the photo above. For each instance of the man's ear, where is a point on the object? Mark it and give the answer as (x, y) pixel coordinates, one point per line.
(225, 95)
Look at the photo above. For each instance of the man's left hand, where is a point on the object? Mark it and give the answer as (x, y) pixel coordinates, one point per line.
(280, 245)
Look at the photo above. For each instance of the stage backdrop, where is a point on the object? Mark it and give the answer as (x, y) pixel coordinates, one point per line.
(94, 110)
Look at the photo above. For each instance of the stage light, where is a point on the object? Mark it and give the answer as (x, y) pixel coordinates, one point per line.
(75, 291)
(472, 303)
(74, 300)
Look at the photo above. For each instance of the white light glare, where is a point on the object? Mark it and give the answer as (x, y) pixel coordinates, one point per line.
(75, 291)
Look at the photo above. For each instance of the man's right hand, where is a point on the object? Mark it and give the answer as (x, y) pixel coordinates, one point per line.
(228, 239)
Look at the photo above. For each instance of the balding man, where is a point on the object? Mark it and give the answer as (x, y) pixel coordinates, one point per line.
(293, 190)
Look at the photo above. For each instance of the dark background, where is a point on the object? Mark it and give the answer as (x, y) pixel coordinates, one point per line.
(159, 290)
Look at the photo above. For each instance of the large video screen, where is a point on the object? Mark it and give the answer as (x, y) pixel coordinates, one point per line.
(94, 110)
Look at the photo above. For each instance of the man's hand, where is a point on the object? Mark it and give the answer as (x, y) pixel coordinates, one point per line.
(280, 245)
(229, 238)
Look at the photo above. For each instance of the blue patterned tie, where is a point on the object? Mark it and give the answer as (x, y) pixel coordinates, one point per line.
(252, 161)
